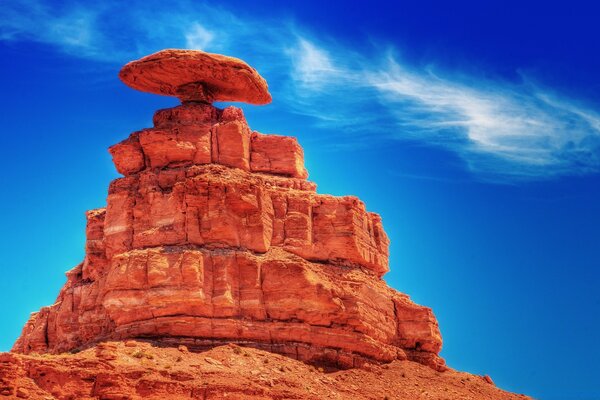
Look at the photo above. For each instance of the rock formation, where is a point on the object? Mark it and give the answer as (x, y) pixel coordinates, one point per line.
(214, 235)
(196, 76)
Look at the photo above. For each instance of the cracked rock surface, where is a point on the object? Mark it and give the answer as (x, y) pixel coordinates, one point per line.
(214, 235)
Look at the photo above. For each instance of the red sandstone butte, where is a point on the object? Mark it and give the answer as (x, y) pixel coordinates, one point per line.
(214, 236)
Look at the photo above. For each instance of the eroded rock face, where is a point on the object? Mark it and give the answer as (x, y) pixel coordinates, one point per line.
(275, 301)
(214, 235)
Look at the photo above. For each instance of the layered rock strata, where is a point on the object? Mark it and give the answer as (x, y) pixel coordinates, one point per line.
(214, 235)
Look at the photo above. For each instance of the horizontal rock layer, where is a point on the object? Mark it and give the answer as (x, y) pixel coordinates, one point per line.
(276, 301)
(201, 134)
(214, 235)
(217, 206)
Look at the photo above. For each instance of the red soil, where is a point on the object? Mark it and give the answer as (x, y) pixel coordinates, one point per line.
(138, 370)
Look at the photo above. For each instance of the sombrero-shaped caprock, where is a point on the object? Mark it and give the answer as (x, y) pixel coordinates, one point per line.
(193, 75)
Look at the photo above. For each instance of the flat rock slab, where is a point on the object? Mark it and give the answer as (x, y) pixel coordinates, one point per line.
(193, 75)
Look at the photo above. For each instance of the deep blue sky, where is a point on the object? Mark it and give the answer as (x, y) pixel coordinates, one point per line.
(471, 127)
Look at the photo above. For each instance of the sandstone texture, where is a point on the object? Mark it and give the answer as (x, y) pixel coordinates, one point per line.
(193, 75)
(214, 236)
(137, 370)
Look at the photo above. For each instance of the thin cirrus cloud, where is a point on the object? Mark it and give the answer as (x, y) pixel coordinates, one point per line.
(71, 29)
(502, 130)
(198, 37)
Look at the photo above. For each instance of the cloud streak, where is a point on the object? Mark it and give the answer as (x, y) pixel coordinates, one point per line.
(502, 130)
(198, 37)
(71, 28)
(518, 129)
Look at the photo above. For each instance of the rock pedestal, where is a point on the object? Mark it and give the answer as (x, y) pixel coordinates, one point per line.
(214, 235)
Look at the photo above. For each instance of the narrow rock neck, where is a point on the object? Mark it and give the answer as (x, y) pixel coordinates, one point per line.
(194, 92)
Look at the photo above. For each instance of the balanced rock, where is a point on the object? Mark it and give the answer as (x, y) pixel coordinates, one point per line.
(214, 235)
(193, 75)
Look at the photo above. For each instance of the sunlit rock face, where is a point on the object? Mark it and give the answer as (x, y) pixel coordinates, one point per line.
(215, 235)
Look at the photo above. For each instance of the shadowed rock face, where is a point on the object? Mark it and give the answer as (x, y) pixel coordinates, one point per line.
(214, 235)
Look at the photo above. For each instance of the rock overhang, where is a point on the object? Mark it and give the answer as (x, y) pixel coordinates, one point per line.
(196, 76)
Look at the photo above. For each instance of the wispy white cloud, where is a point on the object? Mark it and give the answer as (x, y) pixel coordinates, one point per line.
(312, 66)
(198, 37)
(515, 128)
(503, 130)
(72, 28)
(110, 31)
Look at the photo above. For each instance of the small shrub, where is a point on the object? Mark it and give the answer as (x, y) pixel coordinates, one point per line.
(138, 354)
(141, 354)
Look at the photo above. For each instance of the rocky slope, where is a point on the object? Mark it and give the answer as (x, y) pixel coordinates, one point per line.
(215, 236)
(135, 370)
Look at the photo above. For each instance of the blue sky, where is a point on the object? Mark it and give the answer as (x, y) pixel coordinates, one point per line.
(472, 128)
